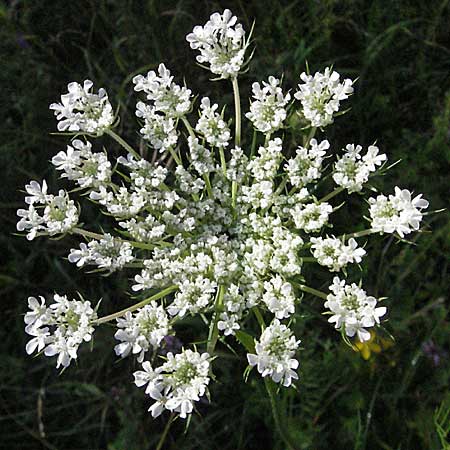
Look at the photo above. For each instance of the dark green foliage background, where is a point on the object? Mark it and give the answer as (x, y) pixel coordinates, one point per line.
(400, 50)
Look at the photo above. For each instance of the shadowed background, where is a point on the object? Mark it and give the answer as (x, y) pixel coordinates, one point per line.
(400, 52)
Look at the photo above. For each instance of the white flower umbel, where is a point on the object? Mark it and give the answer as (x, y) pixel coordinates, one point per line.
(107, 253)
(352, 170)
(275, 353)
(400, 213)
(219, 232)
(166, 96)
(83, 111)
(60, 328)
(333, 253)
(159, 130)
(211, 125)
(307, 164)
(268, 110)
(141, 331)
(312, 216)
(47, 213)
(80, 164)
(320, 96)
(353, 310)
(279, 297)
(221, 43)
(177, 384)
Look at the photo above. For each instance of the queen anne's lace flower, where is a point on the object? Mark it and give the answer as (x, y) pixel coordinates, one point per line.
(400, 213)
(79, 164)
(177, 384)
(334, 253)
(106, 253)
(320, 96)
(311, 217)
(60, 328)
(221, 42)
(353, 170)
(166, 96)
(159, 130)
(141, 331)
(274, 354)
(211, 125)
(353, 310)
(268, 110)
(218, 234)
(59, 213)
(82, 110)
(307, 164)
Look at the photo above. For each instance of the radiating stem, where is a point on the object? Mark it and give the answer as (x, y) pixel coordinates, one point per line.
(188, 127)
(237, 112)
(331, 194)
(359, 233)
(213, 333)
(313, 291)
(162, 439)
(223, 162)
(283, 432)
(136, 306)
(124, 144)
(142, 245)
(237, 134)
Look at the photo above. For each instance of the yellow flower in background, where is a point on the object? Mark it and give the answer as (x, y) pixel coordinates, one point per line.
(374, 345)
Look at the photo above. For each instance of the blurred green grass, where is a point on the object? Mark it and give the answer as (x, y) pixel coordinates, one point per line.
(400, 50)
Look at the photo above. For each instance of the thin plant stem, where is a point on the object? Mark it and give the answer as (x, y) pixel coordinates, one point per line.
(142, 245)
(359, 234)
(223, 162)
(313, 291)
(162, 439)
(188, 127)
(136, 306)
(124, 144)
(213, 334)
(237, 134)
(282, 431)
(331, 194)
(237, 112)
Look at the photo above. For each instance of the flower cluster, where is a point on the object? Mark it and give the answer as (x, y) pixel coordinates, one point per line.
(221, 42)
(400, 213)
(353, 170)
(47, 213)
(60, 328)
(274, 354)
(82, 110)
(141, 331)
(177, 384)
(334, 253)
(321, 94)
(268, 110)
(219, 233)
(353, 311)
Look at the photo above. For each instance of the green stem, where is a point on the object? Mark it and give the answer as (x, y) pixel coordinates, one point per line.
(359, 234)
(142, 245)
(331, 194)
(124, 144)
(188, 127)
(175, 156)
(237, 112)
(166, 430)
(283, 432)
(223, 162)
(253, 147)
(308, 138)
(308, 259)
(208, 185)
(157, 296)
(259, 317)
(313, 291)
(237, 135)
(213, 334)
